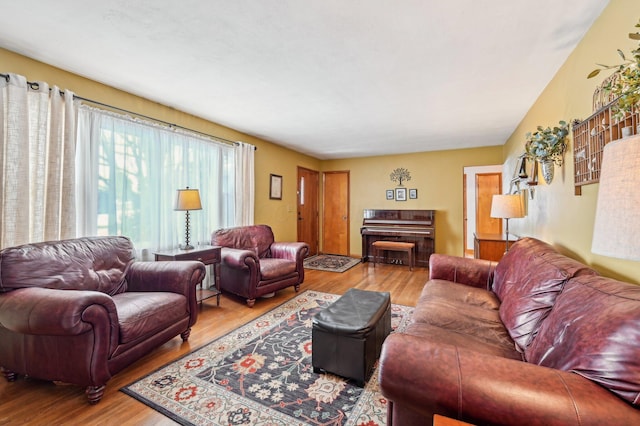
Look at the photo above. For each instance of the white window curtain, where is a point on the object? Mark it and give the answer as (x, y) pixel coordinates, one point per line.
(130, 170)
(245, 183)
(37, 150)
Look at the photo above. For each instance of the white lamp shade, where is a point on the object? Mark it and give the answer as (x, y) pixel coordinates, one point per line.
(616, 232)
(507, 206)
(188, 199)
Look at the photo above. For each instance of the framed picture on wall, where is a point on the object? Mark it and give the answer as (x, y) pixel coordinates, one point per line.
(275, 187)
(389, 194)
(413, 194)
(401, 194)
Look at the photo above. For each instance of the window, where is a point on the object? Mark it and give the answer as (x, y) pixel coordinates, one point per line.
(138, 168)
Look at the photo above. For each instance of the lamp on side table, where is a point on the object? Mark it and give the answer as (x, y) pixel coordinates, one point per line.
(507, 206)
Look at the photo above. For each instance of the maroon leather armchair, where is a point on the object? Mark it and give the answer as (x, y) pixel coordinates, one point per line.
(254, 265)
(80, 310)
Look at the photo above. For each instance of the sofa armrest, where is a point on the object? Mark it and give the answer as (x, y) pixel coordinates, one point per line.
(177, 277)
(289, 250)
(433, 378)
(53, 312)
(472, 272)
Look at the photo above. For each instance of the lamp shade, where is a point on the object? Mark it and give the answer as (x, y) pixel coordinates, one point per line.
(616, 231)
(507, 206)
(188, 199)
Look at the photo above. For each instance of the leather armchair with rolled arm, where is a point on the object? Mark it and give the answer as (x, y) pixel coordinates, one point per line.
(78, 311)
(254, 264)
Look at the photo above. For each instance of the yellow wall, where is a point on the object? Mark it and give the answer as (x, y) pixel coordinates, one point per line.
(269, 158)
(438, 177)
(555, 214)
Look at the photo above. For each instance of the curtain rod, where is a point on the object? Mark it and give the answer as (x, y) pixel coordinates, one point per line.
(171, 125)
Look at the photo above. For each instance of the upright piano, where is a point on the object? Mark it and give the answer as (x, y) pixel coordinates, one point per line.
(412, 226)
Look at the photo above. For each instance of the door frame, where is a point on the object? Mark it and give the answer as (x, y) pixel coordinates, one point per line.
(469, 203)
(315, 193)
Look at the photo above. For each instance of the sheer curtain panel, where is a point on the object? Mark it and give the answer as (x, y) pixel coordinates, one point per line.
(245, 183)
(131, 170)
(37, 156)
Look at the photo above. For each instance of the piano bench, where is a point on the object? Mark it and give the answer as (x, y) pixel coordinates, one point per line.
(381, 245)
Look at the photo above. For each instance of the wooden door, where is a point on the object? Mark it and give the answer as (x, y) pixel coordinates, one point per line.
(335, 213)
(487, 184)
(308, 182)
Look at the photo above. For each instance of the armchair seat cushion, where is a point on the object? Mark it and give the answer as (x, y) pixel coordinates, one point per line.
(142, 314)
(276, 268)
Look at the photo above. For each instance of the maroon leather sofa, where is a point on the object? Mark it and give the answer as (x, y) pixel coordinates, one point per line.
(78, 311)
(254, 264)
(538, 339)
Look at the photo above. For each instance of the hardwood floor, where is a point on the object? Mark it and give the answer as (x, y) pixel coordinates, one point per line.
(35, 402)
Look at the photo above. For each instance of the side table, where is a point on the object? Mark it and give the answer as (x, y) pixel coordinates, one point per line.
(491, 246)
(209, 255)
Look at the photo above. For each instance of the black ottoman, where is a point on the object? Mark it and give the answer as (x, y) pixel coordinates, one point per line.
(347, 336)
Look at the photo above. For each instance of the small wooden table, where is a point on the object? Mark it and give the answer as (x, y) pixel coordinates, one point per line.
(491, 246)
(382, 245)
(209, 255)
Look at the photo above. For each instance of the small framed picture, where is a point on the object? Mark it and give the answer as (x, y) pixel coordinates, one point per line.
(401, 194)
(413, 194)
(389, 194)
(275, 187)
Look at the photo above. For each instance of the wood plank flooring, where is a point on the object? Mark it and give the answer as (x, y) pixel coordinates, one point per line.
(35, 402)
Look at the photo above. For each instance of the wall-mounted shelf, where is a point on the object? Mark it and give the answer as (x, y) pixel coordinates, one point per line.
(589, 138)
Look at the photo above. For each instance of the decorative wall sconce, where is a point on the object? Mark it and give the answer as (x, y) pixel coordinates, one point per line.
(523, 180)
(547, 146)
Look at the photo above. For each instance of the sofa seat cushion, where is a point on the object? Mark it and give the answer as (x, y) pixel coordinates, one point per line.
(528, 280)
(460, 293)
(446, 336)
(594, 331)
(467, 311)
(141, 314)
(276, 268)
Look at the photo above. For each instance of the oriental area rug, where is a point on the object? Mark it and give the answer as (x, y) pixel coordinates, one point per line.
(261, 374)
(330, 262)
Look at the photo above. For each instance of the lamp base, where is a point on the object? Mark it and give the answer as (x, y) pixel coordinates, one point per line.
(186, 247)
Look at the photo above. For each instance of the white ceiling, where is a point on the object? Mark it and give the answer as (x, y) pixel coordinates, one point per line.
(329, 78)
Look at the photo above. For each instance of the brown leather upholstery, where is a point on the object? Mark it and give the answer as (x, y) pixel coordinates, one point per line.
(556, 344)
(253, 264)
(80, 310)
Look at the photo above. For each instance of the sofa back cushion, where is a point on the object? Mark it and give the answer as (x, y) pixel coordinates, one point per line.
(528, 280)
(92, 263)
(257, 238)
(594, 331)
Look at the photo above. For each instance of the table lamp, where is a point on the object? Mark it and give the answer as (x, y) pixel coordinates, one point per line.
(507, 206)
(616, 231)
(186, 200)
